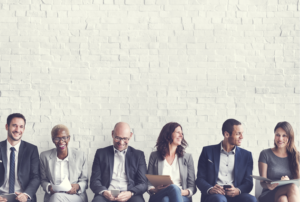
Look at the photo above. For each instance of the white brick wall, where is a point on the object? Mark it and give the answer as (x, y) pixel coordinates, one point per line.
(89, 64)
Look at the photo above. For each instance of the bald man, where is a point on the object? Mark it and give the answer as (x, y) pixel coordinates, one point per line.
(119, 167)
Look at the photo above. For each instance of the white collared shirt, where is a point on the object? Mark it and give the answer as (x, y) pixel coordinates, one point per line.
(5, 187)
(119, 178)
(173, 171)
(226, 167)
(61, 170)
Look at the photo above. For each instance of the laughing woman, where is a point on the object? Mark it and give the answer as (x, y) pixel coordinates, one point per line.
(170, 159)
(60, 163)
(280, 163)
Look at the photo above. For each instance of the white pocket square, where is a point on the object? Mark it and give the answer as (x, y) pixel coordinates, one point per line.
(0, 161)
(210, 160)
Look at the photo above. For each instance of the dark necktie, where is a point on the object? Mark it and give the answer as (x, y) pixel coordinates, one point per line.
(12, 171)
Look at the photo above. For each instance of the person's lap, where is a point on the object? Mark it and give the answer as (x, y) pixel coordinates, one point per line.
(59, 197)
(100, 198)
(221, 198)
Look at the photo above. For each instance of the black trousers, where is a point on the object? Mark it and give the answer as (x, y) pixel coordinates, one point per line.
(100, 198)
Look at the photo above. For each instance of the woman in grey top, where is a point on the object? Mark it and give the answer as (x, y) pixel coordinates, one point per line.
(280, 163)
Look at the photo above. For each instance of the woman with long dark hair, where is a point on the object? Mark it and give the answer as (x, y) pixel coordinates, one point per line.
(171, 159)
(280, 163)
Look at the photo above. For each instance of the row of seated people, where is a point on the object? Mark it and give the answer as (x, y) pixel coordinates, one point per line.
(223, 170)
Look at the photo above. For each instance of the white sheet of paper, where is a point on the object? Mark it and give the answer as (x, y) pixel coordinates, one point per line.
(65, 185)
(284, 182)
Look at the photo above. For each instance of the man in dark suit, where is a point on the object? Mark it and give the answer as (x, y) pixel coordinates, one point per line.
(19, 162)
(119, 167)
(226, 164)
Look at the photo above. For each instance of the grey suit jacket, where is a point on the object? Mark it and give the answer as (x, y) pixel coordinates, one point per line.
(186, 168)
(78, 170)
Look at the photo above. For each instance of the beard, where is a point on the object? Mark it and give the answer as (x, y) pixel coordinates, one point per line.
(12, 137)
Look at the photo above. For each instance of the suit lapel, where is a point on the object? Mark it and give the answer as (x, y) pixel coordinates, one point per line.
(182, 169)
(52, 161)
(111, 161)
(236, 165)
(217, 154)
(3, 148)
(127, 162)
(160, 165)
(71, 157)
(20, 156)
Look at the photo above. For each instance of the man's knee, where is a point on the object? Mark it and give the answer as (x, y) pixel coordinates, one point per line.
(216, 198)
(247, 198)
(136, 198)
(99, 198)
(282, 198)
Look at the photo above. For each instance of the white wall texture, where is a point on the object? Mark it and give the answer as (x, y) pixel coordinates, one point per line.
(91, 63)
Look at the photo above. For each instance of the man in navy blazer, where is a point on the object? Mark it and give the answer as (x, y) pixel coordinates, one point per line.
(19, 162)
(119, 167)
(226, 164)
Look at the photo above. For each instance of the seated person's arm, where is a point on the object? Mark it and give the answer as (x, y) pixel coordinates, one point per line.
(96, 177)
(263, 167)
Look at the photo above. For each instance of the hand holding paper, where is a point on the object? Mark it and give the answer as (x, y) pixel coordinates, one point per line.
(64, 186)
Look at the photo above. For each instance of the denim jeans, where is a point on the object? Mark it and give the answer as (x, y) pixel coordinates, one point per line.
(172, 193)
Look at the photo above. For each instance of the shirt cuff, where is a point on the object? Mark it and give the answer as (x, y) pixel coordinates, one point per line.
(101, 192)
(190, 193)
(79, 190)
(150, 187)
(27, 195)
(209, 189)
(47, 189)
(239, 190)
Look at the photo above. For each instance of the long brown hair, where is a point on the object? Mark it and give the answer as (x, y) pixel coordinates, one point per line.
(293, 154)
(165, 137)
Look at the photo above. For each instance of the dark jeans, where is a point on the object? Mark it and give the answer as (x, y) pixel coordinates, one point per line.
(239, 198)
(100, 198)
(172, 193)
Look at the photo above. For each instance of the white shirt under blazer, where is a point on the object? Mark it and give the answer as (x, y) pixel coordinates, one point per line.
(186, 170)
(78, 170)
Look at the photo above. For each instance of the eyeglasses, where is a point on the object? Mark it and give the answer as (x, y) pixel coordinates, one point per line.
(57, 139)
(119, 139)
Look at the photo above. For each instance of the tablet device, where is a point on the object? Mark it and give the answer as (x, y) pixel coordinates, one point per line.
(10, 197)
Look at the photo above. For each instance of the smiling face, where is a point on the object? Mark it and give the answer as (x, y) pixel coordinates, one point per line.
(177, 136)
(121, 136)
(15, 130)
(281, 138)
(61, 140)
(236, 136)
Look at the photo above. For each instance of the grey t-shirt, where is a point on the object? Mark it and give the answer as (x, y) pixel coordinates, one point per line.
(277, 166)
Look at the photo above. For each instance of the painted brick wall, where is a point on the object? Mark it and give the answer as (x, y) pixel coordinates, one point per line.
(91, 63)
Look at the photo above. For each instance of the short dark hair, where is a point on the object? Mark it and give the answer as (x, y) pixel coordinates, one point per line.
(228, 125)
(15, 115)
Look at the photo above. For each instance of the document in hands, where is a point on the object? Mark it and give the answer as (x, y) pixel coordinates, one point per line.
(9, 197)
(64, 186)
(157, 180)
(280, 182)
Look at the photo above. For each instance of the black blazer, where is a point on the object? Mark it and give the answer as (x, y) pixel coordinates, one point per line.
(208, 169)
(135, 168)
(28, 167)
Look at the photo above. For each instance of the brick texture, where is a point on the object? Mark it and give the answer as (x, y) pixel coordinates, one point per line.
(91, 63)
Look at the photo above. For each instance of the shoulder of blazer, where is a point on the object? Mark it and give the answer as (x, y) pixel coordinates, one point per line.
(28, 145)
(186, 156)
(46, 154)
(103, 151)
(243, 151)
(135, 151)
(211, 147)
